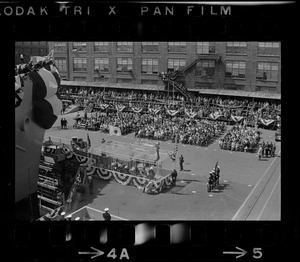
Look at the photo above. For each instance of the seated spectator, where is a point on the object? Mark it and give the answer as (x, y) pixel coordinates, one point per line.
(240, 138)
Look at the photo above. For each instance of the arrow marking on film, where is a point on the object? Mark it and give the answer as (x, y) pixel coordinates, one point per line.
(96, 254)
(240, 253)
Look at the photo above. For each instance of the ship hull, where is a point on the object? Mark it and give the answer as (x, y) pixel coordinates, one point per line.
(27, 209)
(28, 143)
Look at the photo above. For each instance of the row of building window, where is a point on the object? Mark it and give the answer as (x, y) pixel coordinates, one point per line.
(263, 48)
(33, 51)
(32, 43)
(205, 68)
(197, 85)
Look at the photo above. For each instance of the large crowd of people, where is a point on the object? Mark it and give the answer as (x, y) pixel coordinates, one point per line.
(151, 126)
(156, 122)
(193, 132)
(241, 138)
(204, 106)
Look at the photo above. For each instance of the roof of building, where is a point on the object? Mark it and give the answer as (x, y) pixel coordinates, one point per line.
(240, 93)
(220, 92)
(113, 85)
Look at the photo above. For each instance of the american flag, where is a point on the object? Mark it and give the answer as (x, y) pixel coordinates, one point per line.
(216, 165)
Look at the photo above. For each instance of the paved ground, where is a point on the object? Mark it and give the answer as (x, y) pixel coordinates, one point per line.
(189, 200)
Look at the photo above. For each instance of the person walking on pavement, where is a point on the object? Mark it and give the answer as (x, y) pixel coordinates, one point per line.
(106, 215)
(181, 160)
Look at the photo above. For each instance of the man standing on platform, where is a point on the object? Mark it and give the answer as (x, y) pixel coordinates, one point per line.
(181, 160)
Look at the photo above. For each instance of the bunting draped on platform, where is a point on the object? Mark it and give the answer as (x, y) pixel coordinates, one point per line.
(124, 179)
(120, 108)
(140, 183)
(215, 115)
(172, 112)
(121, 178)
(153, 110)
(103, 173)
(103, 106)
(137, 109)
(236, 118)
(165, 183)
(266, 122)
(190, 113)
(68, 152)
(83, 160)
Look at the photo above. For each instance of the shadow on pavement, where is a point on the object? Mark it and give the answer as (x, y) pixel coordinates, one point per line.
(175, 189)
(183, 194)
(97, 188)
(192, 180)
(220, 188)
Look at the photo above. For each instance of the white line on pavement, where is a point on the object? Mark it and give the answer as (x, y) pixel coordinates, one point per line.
(242, 206)
(259, 216)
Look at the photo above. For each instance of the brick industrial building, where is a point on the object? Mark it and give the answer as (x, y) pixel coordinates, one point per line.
(28, 49)
(244, 66)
